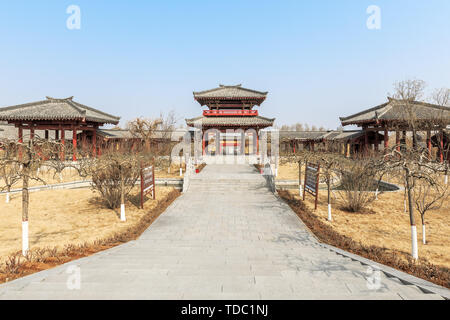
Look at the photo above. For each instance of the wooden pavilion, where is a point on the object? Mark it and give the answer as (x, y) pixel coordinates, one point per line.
(402, 116)
(230, 107)
(59, 116)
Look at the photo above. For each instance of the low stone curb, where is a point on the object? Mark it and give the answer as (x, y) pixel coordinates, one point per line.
(176, 182)
(405, 278)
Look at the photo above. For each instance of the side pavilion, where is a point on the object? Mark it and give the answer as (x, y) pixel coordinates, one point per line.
(58, 115)
(402, 116)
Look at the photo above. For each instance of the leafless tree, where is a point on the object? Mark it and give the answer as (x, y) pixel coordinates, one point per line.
(357, 182)
(144, 129)
(9, 170)
(328, 164)
(441, 97)
(114, 175)
(27, 157)
(428, 195)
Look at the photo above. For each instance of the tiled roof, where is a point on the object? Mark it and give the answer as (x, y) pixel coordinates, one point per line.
(230, 92)
(175, 135)
(231, 121)
(397, 110)
(335, 135)
(302, 135)
(56, 109)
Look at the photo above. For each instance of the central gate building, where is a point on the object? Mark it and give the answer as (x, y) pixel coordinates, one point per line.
(230, 124)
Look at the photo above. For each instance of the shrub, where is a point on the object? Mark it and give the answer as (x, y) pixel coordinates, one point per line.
(113, 174)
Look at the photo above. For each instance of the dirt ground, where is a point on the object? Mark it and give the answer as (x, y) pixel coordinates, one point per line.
(388, 225)
(289, 171)
(66, 217)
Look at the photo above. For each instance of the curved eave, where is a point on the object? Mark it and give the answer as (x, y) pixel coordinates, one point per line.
(204, 100)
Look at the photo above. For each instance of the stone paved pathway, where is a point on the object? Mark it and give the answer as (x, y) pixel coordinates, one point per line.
(228, 237)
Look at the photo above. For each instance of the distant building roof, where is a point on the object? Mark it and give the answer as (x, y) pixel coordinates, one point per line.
(334, 135)
(256, 121)
(174, 135)
(236, 92)
(54, 110)
(400, 111)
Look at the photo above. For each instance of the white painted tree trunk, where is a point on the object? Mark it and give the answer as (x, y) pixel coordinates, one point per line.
(424, 238)
(301, 190)
(406, 210)
(415, 252)
(181, 172)
(446, 179)
(122, 212)
(329, 212)
(25, 246)
(7, 197)
(376, 194)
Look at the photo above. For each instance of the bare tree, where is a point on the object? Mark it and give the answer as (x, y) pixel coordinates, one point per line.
(144, 129)
(8, 169)
(114, 175)
(167, 127)
(27, 158)
(328, 164)
(357, 181)
(441, 97)
(428, 195)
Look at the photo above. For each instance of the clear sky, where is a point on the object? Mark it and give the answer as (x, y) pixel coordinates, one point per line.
(317, 59)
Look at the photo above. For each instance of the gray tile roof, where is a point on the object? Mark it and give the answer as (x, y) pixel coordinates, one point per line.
(126, 134)
(230, 92)
(231, 121)
(56, 109)
(396, 110)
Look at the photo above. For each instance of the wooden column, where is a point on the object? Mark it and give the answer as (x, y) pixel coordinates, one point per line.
(203, 143)
(46, 134)
(63, 141)
(257, 143)
(20, 141)
(56, 134)
(366, 142)
(429, 143)
(242, 143)
(441, 146)
(397, 140)
(31, 133)
(386, 140)
(94, 143)
(83, 141)
(312, 146)
(377, 142)
(74, 143)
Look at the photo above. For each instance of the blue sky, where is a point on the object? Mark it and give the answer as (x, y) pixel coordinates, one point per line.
(317, 59)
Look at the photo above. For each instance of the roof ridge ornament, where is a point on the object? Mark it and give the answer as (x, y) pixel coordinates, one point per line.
(57, 99)
(225, 86)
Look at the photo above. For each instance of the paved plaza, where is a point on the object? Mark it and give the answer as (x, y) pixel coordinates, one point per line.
(227, 237)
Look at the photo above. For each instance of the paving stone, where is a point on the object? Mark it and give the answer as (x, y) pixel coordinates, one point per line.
(227, 237)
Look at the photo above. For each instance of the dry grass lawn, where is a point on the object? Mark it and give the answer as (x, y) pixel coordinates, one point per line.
(70, 174)
(388, 225)
(61, 217)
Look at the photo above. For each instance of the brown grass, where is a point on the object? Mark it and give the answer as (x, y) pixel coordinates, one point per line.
(67, 217)
(383, 236)
(69, 248)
